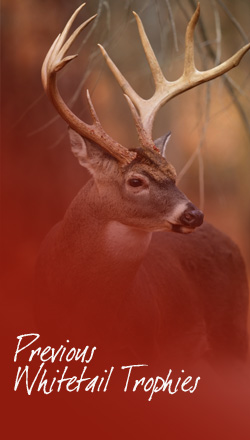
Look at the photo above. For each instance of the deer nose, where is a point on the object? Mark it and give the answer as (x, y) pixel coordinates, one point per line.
(192, 216)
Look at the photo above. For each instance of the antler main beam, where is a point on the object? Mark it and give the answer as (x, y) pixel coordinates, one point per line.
(54, 61)
(164, 89)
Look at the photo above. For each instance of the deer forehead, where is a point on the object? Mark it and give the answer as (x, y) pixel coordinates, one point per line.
(153, 165)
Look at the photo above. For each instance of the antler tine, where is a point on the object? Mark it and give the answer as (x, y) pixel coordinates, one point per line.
(190, 72)
(156, 71)
(57, 49)
(189, 66)
(54, 61)
(124, 84)
(164, 89)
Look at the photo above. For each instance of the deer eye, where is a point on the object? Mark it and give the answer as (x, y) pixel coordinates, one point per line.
(135, 182)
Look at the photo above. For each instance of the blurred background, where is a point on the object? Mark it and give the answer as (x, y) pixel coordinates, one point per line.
(210, 125)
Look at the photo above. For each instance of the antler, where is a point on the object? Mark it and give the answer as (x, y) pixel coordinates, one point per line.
(144, 111)
(54, 61)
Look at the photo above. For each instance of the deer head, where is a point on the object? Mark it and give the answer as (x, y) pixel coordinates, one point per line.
(136, 186)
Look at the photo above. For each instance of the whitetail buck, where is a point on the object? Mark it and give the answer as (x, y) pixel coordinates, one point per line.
(122, 269)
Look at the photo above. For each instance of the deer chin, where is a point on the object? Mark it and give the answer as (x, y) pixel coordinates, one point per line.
(176, 227)
(181, 229)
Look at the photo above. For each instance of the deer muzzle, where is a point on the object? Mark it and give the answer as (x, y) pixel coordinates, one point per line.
(192, 217)
(189, 219)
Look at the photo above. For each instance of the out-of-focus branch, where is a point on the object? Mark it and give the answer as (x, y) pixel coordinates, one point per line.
(234, 21)
(229, 85)
(172, 25)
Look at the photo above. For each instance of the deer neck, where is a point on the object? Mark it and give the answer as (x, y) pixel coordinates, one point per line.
(105, 244)
(125, 243)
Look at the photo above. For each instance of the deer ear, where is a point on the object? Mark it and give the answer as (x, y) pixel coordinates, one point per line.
(162, 142)
(78, 147)
(89, 154)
